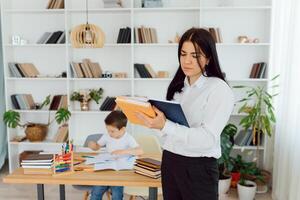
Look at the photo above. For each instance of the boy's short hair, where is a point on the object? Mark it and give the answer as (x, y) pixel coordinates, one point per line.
(117, 119)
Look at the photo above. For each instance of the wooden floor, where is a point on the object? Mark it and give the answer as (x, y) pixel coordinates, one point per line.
(28, 192)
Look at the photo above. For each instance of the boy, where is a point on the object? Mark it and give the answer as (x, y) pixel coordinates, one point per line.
(117, 142)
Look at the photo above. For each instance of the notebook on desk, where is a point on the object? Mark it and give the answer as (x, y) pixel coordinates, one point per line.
(130, 105)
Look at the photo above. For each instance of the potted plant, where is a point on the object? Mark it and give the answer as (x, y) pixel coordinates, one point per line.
(226, 162)
(85, 96)
(259, 115)
(35, 131)
(247, 188)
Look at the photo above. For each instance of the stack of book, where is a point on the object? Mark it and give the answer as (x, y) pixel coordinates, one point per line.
(37, 163)
(145, 35)
(23, 70)
(57, 37)
(258, 70)
(23, 101)
(124, 35)
(148, 167)
(56, 4)
(86, 69)
(108, 104)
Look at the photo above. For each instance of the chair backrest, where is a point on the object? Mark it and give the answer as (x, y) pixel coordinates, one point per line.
(93, 137)
(149, 143)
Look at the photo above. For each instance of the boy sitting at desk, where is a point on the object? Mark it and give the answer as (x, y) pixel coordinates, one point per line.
(117, 142)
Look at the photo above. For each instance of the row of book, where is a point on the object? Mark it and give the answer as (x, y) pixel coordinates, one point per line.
(59, 101)
(57, 37)
(148, 167)
(33, 162)
(23, 101)
(23, 70)
(108, 104)
(124, 35)
(144, 71)
(145, 35)
(56, 4)
(86, 69)
(258, 70)
(245, 138)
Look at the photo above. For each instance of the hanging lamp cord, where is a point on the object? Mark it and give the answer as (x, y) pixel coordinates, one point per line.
(87, 12)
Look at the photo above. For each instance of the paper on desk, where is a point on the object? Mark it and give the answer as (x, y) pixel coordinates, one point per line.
(118, 164)
(82, 149)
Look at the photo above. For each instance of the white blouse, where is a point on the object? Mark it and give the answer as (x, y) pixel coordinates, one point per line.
(207, 105)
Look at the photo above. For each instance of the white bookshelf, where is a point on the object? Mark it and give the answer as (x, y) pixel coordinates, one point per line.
(30, 20)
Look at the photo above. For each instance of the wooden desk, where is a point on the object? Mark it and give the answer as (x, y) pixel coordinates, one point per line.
(108, 177)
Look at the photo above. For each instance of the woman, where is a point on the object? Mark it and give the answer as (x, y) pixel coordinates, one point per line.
(189, 163)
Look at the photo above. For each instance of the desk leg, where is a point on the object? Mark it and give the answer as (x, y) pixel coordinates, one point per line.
(62, 192)
(40, 191)
(152, 193)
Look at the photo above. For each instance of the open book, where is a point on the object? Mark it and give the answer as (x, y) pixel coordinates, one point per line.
(124, 163)
(130, 105)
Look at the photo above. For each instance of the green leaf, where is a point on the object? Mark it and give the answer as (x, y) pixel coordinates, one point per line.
(275, 77)
(45, 102)
(11, 118)
(62, 115)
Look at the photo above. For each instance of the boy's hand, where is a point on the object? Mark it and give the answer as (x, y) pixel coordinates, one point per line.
(119, 152)
(93, 145)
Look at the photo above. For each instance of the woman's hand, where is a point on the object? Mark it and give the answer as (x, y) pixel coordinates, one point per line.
(157, 122)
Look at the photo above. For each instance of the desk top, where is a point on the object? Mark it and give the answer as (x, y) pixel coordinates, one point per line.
(105, 177)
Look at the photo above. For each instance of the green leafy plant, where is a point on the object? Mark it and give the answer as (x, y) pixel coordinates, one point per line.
(226, 162)
(91, 94)
(259, 110)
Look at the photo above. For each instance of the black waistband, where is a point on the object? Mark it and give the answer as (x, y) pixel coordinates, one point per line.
(188, 160)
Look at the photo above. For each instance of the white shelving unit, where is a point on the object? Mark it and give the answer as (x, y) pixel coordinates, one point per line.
(29, 19)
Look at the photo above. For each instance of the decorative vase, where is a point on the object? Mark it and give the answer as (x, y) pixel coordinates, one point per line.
(36, 132)
(84, 106)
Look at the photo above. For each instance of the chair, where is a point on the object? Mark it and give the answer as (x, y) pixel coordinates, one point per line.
(88, 188)
(150, 145)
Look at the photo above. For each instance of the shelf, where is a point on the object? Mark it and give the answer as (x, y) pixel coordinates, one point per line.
(165, 9)
(35, 11)
(100, 79)
(36, 45)
(35, 79)
(230, 8)
(90, 112)
(99, 10)
(45, 142)
(247, 147)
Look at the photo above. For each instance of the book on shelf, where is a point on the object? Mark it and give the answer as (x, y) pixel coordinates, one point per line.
(22, 101)
(21, 70)
(152, 3)
(59, 101)
(86, 69)
(145, 35)
(215, 32)
(108, 104)
(62, 134)
(245, 138)
(131, 105)
(144, 71)
(57, 37)
(55, 4)
(258, 70)
(124, 35)
(112, 4)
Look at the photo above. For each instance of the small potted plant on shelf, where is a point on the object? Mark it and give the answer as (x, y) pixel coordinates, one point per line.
(85, 96)
(226, 162)
(35, 131)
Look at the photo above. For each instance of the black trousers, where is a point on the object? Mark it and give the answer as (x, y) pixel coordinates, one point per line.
(189, 178)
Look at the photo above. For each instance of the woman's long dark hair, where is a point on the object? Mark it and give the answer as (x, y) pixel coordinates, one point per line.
(203, 40)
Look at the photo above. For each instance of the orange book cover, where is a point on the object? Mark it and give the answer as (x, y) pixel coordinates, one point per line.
(130, 105)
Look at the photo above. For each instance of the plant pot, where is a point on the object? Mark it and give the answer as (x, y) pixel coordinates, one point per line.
(36, 132)
(247, 192)
(235, 178)
(84, 106)
(224, 185)
(262, 187)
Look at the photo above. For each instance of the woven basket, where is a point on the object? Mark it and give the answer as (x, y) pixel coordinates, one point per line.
(36, 132)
